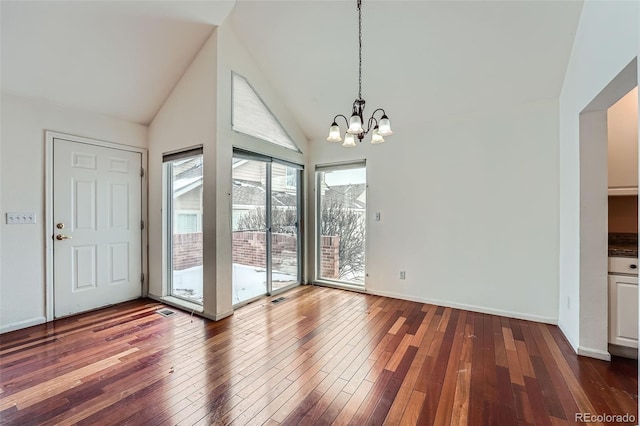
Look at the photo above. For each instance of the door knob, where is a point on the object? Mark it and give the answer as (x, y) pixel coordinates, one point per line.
(61, 237)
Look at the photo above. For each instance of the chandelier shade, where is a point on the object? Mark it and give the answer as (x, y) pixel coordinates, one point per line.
(376, 137)
(334, 133)
(349, 140)
(385, 126)
(355, 124)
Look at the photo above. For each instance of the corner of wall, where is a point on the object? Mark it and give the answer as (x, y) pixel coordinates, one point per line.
(569, 336)
(592, 66)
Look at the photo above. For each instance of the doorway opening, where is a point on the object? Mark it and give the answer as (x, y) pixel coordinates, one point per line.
(622, 141)
(593, 250)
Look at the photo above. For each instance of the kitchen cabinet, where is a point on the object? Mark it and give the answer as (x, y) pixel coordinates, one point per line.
(623, 302)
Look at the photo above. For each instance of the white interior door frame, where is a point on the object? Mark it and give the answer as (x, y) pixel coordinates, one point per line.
(49, 231)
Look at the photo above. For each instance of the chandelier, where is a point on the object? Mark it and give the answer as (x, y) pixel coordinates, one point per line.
(355, 123)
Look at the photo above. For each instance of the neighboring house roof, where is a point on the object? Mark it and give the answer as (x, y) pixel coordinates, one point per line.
(187, 175)
(182, 186)
(250, 193)
(284, 199)
(352, 196)
(189, 167)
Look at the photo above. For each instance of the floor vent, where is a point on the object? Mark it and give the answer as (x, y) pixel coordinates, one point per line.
(165, 312)
(278, 300)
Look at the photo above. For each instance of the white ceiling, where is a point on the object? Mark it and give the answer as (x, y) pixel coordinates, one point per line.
(119, 58)
(423, 60)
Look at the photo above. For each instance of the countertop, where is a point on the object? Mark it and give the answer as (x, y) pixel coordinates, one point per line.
(623, 245)
(623, 251)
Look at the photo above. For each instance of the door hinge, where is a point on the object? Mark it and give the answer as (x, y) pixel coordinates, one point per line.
(141, 171)
(142, 225)
(142, 277)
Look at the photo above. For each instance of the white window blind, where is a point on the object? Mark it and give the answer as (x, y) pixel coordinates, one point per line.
(252, 117)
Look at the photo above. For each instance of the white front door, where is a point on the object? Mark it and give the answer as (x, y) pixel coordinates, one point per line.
(97, 226)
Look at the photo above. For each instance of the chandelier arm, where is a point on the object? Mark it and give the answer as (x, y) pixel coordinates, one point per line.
(372, 118)
(379, 109)
(345, 119)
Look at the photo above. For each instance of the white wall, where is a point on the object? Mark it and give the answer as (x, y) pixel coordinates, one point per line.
(22, 177)
(606, 42)
(186, 119)
(469, 208)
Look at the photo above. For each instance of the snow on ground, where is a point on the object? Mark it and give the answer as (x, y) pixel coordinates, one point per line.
(248, 282)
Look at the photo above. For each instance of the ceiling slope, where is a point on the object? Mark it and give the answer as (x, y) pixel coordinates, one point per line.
(119, 58)
(422, 60)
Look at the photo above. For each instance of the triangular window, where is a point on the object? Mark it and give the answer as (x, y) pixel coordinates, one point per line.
(252, 117)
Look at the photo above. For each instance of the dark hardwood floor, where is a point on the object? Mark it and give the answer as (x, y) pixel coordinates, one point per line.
(321, 356)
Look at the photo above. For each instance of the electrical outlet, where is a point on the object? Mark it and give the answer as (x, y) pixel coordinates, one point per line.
(20, 218)
(403, 275)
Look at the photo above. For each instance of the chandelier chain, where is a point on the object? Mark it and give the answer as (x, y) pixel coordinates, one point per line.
(357, 126)
(359, 49)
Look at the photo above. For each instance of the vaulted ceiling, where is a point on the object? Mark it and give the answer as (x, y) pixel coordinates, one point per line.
(119, 58)
(422, 60)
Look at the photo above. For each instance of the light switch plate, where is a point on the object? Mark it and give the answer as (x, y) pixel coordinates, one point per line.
(21, 218)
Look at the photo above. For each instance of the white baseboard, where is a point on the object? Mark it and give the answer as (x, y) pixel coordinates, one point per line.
(223, 315)
(594, 353)
(480, 309)
(581, 350)
(22, 324)
(573, 345)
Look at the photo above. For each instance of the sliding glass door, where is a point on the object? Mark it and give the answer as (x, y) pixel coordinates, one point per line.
(265, 226)
(249, 232)
(341, 219)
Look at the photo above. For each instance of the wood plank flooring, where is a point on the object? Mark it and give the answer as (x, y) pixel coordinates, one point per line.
(321, 356)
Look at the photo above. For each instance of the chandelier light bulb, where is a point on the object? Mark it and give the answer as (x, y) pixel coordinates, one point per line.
(349, 141)
(376, 137)
(385, 126)
(334, 133)
(355, 125)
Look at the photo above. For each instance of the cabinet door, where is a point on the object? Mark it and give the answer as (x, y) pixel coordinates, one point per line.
(623, 310)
